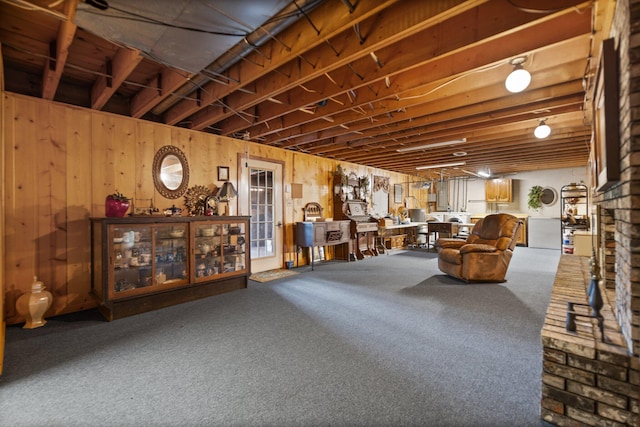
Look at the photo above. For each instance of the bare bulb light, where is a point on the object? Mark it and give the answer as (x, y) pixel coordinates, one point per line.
(519, 79)
(542, 131)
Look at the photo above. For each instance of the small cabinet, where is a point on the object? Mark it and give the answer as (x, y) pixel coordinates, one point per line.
(499, 190)
(145, 263)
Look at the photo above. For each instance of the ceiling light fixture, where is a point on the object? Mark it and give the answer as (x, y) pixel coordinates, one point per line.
(484, 174)
(432, 145)
(519, 78)
(542, 130)
(442, 165)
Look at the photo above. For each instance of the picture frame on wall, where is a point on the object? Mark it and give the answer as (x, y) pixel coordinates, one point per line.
(397, 193)
(223, 173)
(606, 119)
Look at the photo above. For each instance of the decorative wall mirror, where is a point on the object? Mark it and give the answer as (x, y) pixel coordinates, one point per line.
(170, 172)
(549, 196)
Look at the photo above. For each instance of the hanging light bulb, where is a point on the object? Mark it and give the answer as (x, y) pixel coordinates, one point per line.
(519, 78)
(542, 131)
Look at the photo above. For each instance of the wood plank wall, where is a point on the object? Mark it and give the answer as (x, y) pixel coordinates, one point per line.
(60, 162)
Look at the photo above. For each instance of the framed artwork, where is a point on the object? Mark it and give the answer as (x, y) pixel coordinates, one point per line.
(223, 173)
(397, 193)
(606, 119)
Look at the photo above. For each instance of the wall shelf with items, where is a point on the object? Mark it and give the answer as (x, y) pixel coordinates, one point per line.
(574, 205)
(145, 263)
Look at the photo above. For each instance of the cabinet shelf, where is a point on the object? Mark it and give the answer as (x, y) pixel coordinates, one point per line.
(145, 263)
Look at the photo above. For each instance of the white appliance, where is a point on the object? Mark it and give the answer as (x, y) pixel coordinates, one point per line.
(544, 233)
(463, 217)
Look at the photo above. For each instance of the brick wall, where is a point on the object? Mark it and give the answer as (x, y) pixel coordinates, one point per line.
(585, 381)
(619, 223)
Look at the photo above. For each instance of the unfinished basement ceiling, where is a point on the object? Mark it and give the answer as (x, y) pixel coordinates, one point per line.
(355, 81)
(183, 34)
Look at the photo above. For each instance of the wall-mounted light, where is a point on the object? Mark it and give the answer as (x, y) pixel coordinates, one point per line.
(442, 165)
(519, 78)
(542, 130)
(432, 145)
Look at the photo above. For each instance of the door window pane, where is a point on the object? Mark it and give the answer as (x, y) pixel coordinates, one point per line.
(262, 213)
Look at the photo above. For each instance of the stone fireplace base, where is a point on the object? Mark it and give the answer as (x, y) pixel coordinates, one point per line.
(585, 381)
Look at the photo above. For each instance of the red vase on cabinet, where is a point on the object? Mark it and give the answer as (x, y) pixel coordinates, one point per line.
(115, 208)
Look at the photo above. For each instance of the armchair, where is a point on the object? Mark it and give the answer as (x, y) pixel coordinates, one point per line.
(485, 255)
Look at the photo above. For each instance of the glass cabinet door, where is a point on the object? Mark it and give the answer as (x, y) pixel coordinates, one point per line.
(170, 252)
(207, 251)
(145, 256)
(219, 249)
(233, 253)
(131, 258)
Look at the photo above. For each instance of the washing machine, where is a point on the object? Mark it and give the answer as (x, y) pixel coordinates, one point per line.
(463, 217)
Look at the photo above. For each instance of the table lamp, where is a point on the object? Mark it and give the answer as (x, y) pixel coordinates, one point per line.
(226, 193)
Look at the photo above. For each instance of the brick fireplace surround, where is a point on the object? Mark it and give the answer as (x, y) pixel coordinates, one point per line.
(585, 381)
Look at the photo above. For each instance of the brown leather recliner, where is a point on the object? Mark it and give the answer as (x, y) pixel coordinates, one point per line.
(485, 255)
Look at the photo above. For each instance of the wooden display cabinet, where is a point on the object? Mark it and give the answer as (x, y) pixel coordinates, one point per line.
(141, 264)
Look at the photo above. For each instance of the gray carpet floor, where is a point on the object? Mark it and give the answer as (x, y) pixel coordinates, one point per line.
(387, 341)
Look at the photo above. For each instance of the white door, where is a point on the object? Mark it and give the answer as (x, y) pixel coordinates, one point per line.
(260, 196)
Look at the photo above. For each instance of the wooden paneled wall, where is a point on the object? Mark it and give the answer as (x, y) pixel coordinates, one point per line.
(60, 162)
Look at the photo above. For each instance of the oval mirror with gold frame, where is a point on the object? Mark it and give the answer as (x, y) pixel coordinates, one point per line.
(170, 172)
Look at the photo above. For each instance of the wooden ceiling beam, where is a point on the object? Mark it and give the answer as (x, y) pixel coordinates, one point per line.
(156, 90)
(123, 63)
(446, 121)
(490, 153)
(54, 67)
(458, 126)
(501, 44)
(510, 131)
(331, 17)
(384, 29)
(412, 85)
(489, 156)
(481, 103)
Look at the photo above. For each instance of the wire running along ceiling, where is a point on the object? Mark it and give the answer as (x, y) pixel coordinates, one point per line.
(183, 34)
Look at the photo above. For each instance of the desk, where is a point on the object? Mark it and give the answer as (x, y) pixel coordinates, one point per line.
(448, 228)
(399, 230)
